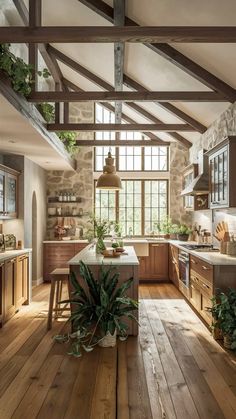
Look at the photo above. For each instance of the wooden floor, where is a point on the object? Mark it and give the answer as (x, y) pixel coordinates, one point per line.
(173, 370)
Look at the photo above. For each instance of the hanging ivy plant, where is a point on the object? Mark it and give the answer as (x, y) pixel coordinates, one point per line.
(20, 73)
(47, 110)
(69, 140)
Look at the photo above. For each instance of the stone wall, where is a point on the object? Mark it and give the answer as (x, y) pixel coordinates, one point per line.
(80, 181)
(179, 158)
(224, 126)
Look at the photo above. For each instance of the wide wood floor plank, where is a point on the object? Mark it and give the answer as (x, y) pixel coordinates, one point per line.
(104, 398)
(181, 396)
(204, 400)
(139, 403)
(159, 392)
(122, 384)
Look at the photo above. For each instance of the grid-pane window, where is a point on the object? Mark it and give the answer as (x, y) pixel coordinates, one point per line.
(155, 201)
(103, 116)
(101, 154)
(105, 205)
(156, 158)
(130, 207)
(130, 158)
(137, 207)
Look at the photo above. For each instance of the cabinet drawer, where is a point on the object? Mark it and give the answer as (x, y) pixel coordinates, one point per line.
(202, 268)
(204, 285)
(205, 305)
(195, 296)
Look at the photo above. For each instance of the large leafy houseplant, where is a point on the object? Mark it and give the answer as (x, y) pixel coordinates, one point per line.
(100, 308)
(224, 315)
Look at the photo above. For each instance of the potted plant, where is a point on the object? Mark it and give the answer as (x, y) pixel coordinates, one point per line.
(224, 314)
(173, 231)
(101, 228)
(164, 226)
(101, 308)
(183, 232)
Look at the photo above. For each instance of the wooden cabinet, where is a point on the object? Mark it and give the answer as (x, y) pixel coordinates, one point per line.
(201, 287)
(8, 192)
(155, 266)
(2, 274)
(21, 280)
(9, 289)
(57, 255)
(14, 278)
(222, 174)
(174, 264)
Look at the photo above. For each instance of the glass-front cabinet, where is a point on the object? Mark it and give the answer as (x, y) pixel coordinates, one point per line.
(8, 192)
(222, 160)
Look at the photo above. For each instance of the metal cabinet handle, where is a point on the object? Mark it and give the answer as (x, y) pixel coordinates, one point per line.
(157, 245)
(193, 261)
(205, 268)
(205, 286)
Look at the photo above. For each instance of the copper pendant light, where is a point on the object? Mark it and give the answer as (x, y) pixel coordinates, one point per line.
(109, 179)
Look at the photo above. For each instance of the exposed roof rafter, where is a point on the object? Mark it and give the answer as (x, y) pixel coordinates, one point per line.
(118, 127)
(169, 53)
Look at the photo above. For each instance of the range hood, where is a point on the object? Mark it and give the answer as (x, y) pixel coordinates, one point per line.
(199, 185)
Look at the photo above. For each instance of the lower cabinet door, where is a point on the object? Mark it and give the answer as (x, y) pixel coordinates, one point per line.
(155, 266)
(21, 281)
(9, 288)
(2, 274)
(206, 304)
(195, 297)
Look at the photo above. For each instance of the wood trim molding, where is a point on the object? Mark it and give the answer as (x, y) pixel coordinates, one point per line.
(117, 127)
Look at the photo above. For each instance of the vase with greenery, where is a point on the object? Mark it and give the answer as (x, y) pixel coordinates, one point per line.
(164, 226)
(101, 309)
(101, 228)
(183, 232)
(224, 316)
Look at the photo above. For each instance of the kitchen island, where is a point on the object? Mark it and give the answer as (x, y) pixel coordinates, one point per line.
(126, 264)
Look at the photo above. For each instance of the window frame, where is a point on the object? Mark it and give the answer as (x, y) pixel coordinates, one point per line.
(142, 200)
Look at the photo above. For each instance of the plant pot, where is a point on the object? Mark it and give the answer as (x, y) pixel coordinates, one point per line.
(100, 246)
(227, 341)
(173, 236)
(166, 236)
(217, 333)
(108, 341)
(183, 237)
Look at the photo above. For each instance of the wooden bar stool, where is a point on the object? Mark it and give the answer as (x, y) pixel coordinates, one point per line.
(58, 277)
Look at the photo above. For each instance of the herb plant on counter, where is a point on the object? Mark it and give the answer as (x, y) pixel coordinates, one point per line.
(101, 307)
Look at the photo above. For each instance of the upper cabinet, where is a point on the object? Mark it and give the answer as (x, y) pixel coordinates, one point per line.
(223, 174)
(189, 174)
(8, 192)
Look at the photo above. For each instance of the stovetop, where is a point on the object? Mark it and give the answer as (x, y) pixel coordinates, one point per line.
(200, 247)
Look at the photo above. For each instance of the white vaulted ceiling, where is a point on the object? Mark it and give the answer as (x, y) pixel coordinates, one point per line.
(144, 65)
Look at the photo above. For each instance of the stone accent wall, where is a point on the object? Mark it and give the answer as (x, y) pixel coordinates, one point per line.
(80, 181)
(179, 158)
(224, 126)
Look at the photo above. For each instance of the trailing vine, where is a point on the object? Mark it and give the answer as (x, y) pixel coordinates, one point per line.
(69, 140)
(47, 110)
(20, 73)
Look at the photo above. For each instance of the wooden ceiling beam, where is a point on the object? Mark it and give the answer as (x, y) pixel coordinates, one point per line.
(101, 83)
(169, 53)
(35, 20)
(111, 108)
(24, 14)
(141, 96)
(119, 48)
(167, 106)
(120, 143)
(118, 127)
(107, 34)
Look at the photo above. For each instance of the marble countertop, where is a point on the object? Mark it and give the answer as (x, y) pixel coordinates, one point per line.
(89, 256)
(213, 258)
(8, 254)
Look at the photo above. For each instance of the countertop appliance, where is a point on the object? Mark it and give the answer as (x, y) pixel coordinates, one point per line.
(2, 243)
(184, 268)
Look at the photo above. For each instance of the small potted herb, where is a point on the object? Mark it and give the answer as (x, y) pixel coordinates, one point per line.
(101, 308)
(183, 232)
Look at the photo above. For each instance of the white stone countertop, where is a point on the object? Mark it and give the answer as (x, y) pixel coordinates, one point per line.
(66, 241)
(213, 258)
(89, 256)
(8, 254)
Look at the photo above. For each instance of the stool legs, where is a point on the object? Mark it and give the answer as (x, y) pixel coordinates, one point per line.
(51, 300)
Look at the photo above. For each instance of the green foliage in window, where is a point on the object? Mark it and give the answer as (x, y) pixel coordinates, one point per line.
(20, 73)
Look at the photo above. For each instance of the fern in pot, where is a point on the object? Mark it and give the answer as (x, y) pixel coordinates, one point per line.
(100, 310)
